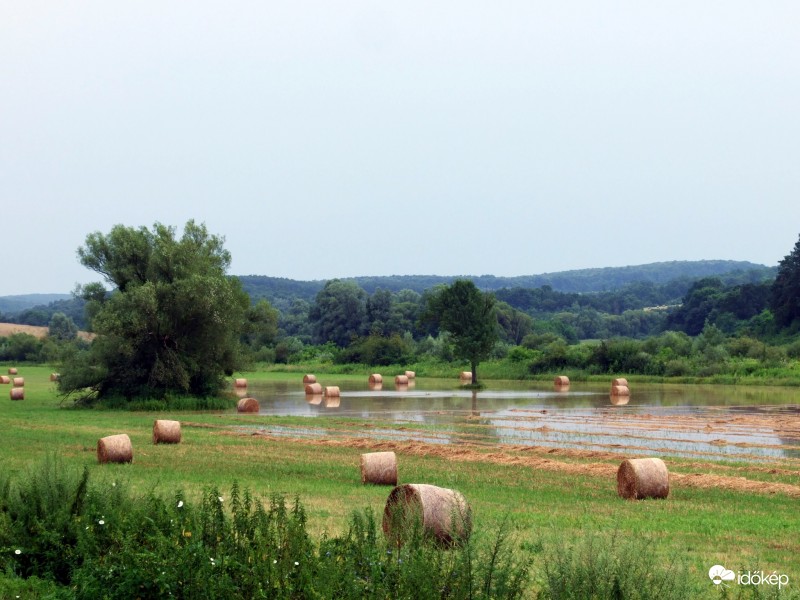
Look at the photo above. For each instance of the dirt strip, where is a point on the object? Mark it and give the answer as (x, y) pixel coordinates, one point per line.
(526, 458)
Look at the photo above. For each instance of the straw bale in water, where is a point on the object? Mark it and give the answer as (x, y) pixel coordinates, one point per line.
(561, 380)
(620, 390)
(620, 381)
(441, 512)
(166, 432)
(240, 383)
(332, 401)
(379, 468)
(309, 378)
(465, 375)
(17, 393)
(410, 374)
(620, 400)
(247, 405)
(332, 391)
(312, 389)
(639, 478)
(401, 379)
(376, 378)
(115, 448)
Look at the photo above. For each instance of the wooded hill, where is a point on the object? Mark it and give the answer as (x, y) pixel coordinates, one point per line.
(680, 274)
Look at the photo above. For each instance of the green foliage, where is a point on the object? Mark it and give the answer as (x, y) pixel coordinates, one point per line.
(377, 349)
(20, 347)
(611, 567)
(470, 317)
(785, 291)
(173, 322)
(62, 327)
(339, 313)
(61, 533)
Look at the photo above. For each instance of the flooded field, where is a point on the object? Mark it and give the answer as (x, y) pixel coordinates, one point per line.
(749, 424)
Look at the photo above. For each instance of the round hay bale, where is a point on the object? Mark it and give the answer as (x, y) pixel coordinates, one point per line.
(240, 383)
(17, 393)
(441, 512)
(18, 381)
(313, 389)
(561, 380)
(309, 378)
(115, 448)
(12, 370)
(411, 374)
(620, 390)
(376, 378)
(166, 432)
(332, 401)
(5, 379)
(376, 387)
(55, 376)
(401, 379)
(465, 375)
(639, 478)
(247, 405)
(332, 391)
(379, 468)
(620, 381)
(620, 400)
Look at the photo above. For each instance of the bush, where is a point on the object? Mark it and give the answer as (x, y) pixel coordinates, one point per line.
(608, 566)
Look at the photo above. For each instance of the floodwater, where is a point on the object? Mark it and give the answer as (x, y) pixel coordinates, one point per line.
(749, 424)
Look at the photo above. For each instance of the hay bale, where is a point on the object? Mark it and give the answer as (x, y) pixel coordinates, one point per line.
(620, 390)
(442, 513)
(332, 391)
(55, 376)
(309, 378)
(620, 381)
(561, 380)
(376, 378)
(620, 400)
(5, 379)
(12, 370)
(166, 432)
(115, 448)
(465, 375)
(410, 374)
(639, 478)
(17, 393)
(18, 381)
(376, 387)
(401, 379)
(313, 389)
(240, 383)
(247, 405)
(379, 468)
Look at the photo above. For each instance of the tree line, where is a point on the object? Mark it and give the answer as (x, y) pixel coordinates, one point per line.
(174, 320)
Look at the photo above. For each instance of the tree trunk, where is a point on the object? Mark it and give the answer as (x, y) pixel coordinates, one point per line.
(474, 373)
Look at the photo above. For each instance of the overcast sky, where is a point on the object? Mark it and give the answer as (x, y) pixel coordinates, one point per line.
(332, 139)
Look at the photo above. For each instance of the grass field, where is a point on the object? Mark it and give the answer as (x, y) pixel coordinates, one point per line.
(545, 495)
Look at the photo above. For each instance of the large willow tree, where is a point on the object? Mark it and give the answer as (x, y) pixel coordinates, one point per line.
(171, 322)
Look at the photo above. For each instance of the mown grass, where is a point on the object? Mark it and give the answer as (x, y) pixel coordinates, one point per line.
(702, 526)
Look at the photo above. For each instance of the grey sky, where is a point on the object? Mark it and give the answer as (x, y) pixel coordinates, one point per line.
(328, 139)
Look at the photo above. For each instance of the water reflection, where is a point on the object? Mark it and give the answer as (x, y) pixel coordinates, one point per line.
(703, 421)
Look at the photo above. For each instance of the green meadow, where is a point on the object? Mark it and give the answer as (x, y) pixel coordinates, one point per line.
(695, 528)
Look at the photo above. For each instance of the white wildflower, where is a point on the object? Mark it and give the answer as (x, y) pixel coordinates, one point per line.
(17, 551)
(180, 504)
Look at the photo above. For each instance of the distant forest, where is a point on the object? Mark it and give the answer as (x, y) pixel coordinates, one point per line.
(633, 301)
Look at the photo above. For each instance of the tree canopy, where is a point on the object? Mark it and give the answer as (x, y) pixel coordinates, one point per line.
(172, 321)
(785, 298)
(469, 315)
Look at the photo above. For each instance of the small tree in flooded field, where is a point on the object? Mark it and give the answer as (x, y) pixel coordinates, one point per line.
(469, 315)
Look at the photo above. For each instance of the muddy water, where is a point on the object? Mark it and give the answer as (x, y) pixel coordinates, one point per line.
(719, 422)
